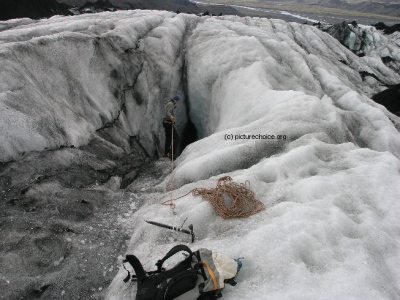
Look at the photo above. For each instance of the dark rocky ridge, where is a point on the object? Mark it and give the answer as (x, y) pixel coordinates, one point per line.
(98, 6)
(387, 29)
(389, 98)
(37, 9)
(343, 31)
(357, 43)
(184, 6)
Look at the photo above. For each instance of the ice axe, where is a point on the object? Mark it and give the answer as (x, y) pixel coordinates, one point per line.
(175, 228)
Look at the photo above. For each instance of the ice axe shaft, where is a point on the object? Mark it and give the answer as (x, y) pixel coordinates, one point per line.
(175, 228)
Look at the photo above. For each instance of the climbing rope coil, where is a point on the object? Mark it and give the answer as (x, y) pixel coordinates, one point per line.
(241, 202)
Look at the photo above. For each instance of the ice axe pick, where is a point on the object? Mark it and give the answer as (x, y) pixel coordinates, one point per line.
(190, 231)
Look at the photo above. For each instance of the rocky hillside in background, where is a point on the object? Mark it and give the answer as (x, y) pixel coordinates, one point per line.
(338, 8)
(37, 9)
(184, 6)
(382, 7)
(94, 7)
(34, 9)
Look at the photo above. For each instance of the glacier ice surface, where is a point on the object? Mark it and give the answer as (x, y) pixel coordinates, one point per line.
(330, 183)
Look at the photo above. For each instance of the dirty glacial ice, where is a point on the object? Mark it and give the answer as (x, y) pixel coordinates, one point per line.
(282, 105)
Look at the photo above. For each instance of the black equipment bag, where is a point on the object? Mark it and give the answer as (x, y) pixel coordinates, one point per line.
(164, 284)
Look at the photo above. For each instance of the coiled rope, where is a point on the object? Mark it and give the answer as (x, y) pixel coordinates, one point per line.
(241, 202)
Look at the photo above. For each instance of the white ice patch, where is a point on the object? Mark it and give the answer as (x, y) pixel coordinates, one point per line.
(330, 229)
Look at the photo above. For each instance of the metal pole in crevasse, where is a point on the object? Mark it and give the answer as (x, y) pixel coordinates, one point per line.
(172, 145)
(172, 205)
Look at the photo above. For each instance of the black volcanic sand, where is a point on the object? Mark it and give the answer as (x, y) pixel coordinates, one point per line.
(390, 98)
(59, 229)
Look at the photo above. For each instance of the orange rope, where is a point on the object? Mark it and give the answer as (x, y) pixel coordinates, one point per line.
(243, 201)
